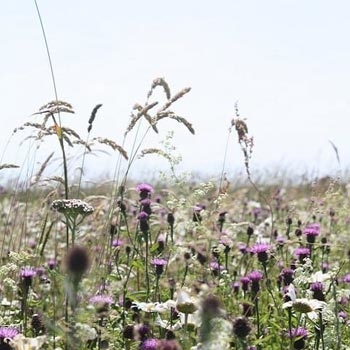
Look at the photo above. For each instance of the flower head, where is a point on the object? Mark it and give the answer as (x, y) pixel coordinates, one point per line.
(299, 335)
(261, 249)
(72, 207)
(101, 299)
(241, 327)
(8, 332)
(149, 344)
(159, 263)
(311, 307)
(311, 231)
(302, 253)
(144, 190)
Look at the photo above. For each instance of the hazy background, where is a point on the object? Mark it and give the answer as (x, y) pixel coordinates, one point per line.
(285, 62)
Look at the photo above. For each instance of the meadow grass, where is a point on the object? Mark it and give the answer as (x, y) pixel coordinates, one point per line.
(173, 263)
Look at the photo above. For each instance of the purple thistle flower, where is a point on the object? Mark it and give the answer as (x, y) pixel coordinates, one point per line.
(255, 276)
(245, 283)
(143, 218)
(287, 275)
(27, 272)
(149, 344)
(144, 190)
(312, 231)
(117, 243)
(346, 278)
(101, 299)
(27, 275)
(299, 335)
(302, 253)
(242, 247)
(317, 289)
(261, 249)
(8, 332)
(159, 263)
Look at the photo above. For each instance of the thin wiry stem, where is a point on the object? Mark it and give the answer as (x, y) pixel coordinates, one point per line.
(48, 53)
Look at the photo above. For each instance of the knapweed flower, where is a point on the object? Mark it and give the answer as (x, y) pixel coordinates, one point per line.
(299, 335)
(346, 278)
(159, 264)
(72, 207)
(241, 327)
(261, 249)
(144, 190)
(255, 277)
(150, 344)
(146, 206)
(317, 289)
(311, 307)
(117, 242)
(287, 276)
(245, 283)
(101, 302)
(302, 253)
(312, 231)
(143, 219)
(171, 344)
(7, 333)
(27, 275)
(197, 213)
(215, 268)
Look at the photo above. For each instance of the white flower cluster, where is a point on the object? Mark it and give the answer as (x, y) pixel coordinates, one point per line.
(72, 207)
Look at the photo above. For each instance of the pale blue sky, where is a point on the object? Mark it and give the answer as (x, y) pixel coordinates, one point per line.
(287, 63)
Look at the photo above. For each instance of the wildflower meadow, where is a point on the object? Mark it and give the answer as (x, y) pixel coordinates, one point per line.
(168, 263)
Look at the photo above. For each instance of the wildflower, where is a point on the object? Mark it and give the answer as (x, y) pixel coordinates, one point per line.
(311, 307)
(77, 262)
(261, 249)
(245, 283)
(215, 268)
(150, 344)
(241, 327)
(146, 206)
(287, 275)
(101, 302)
(51, 263)
(143, 219)
(346, 278)
(184, 303)
(250, 231)
(242, 247)
(159, 264)
(144, 190)
(299, 335)
(171, 219)
(72, 207)
(6, 334)
(161, 243)
(21, 342)
(311, 231)
(117, 242)
(171, 344)
(197, 213)
(235, 287)
(317, 289)
(37, 324)
(302, 253)
(27, 275)
(255, 277)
